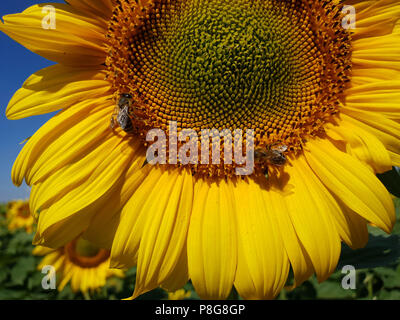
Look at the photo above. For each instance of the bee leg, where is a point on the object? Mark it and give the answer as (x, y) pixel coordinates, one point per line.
(113, 116)
(131, 113)
(140, 119)
(266, 175)
(112, 123)
(134, 116)
(144, 163)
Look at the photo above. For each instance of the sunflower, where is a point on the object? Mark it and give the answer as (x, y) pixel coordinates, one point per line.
(180, 294)
(325, 95)
(19, 216)
(80, 263)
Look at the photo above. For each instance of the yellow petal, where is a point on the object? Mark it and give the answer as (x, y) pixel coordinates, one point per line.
(363, 145)
(180, 275)
(352, 227)
(313, 211)
(299, 258)
(57, 127)
(133, 218)
(212, 239)
(379, 28)
(54, 88)
(96, 8)
(41, 251)
(377, 48)
(371, 13)
(386, 130)
(73, 144)
(263, 264)
(77, 40)
(351, 182)
(67, 209)
(368, 76)
(104, 224)
(73, 176)
(376, 93)
(165, 231)
(395, 158)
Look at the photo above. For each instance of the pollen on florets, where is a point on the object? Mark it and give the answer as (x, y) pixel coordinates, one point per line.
(276, 67)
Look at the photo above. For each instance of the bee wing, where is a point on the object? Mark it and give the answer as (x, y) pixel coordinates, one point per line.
(280, 148)
(123, 113)
(123, 118)
(113, 116)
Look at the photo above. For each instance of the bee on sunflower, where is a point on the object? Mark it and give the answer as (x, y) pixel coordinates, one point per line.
(326, 95)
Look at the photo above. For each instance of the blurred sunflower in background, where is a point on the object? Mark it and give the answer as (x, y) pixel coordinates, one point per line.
(289, 70)
(80, 263)
(19, 216)
(180, 294)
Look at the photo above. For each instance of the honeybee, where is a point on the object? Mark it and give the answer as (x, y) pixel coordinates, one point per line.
(274, 154)
(122, 113)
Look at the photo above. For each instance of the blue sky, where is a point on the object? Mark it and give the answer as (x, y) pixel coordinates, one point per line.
(16, 65)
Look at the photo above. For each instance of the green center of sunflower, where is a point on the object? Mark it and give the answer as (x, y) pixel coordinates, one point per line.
(274, 66)
(228, 65)
(85, 254)
(86, 249)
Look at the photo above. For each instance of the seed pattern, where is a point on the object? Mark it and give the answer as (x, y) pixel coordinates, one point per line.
(279, 67)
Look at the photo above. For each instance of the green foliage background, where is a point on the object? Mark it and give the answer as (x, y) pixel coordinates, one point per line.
(378, 272)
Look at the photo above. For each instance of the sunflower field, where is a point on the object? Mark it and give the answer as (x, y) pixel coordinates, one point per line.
(21, 276)
(377, 272)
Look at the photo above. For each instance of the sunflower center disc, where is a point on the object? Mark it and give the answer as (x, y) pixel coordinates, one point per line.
(23, 211)
(84, 254)
(276, 67)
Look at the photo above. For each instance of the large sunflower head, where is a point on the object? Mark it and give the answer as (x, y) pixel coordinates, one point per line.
(316, 102)
(80, 263)
(19, 216)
